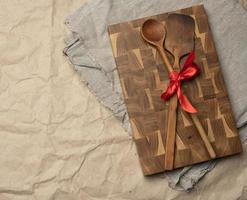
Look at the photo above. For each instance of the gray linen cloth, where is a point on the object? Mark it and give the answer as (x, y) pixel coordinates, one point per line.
(88, 49)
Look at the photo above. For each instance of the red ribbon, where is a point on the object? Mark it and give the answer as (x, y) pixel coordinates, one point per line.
(189, 70)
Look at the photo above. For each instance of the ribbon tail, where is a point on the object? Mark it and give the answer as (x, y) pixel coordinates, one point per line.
(184, 102)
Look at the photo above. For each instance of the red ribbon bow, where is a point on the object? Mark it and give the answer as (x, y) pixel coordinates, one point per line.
(189, 70)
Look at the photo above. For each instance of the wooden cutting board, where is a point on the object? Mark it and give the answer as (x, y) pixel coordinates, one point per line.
(143, 78)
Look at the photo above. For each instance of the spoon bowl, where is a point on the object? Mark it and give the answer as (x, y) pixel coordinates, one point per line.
(153, 31)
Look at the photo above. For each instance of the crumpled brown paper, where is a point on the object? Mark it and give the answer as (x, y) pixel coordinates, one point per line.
(57, 142)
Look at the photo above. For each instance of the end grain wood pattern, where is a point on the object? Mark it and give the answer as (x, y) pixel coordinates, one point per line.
(143, 78)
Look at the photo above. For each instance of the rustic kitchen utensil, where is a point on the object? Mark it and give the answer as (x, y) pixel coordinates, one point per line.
(143, 78)
(154, 33)
(180, 42)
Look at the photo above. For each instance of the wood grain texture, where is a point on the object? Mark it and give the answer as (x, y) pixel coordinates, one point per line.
(143, 78)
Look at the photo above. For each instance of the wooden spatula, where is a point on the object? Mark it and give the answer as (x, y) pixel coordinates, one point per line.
(180, 42)
(180, 36)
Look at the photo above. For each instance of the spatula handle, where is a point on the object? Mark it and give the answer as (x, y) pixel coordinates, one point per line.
(172, 119)
(171, 133)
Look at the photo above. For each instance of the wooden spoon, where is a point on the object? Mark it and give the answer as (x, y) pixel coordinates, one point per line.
(154, 33)
(180, 42)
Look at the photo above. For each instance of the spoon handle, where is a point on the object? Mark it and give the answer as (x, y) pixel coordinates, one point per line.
(165, 59)
(197, 122)
(203, 135)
